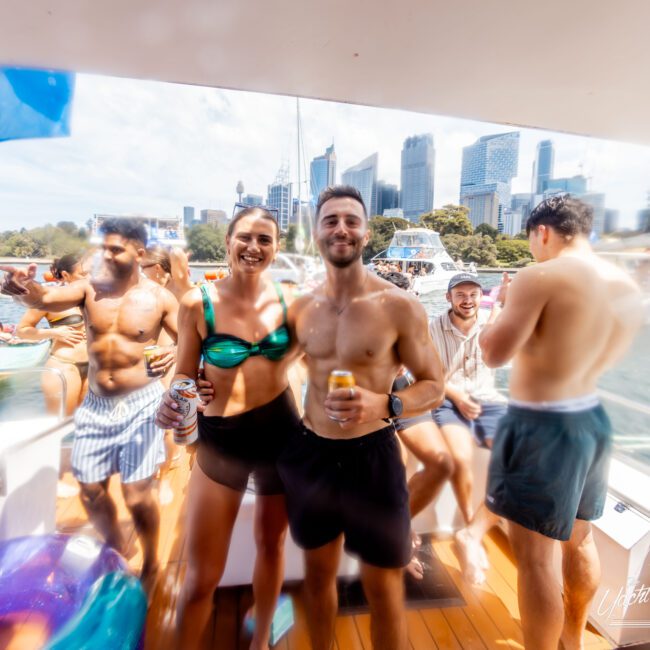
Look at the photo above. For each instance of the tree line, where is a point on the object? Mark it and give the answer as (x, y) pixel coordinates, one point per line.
(483, 245)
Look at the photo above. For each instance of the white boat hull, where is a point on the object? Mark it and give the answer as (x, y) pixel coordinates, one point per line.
(424, 284)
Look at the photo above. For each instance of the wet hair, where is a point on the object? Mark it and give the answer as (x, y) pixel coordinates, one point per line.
(340, 192)
(256, 210)
(65, 263)
(565, 214)
(127, 228)
(159, 255)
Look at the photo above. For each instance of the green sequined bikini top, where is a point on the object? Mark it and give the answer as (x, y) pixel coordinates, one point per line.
(229, 351)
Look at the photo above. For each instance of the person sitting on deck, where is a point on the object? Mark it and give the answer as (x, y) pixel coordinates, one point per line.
(470, 412)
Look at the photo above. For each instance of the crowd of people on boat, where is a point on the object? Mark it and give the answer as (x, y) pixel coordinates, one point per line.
(330, 467)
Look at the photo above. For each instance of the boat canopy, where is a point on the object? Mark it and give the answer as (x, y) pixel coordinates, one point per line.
(579, 67)
(415, 244)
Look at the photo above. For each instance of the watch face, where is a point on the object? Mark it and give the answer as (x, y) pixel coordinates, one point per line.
(396, 406)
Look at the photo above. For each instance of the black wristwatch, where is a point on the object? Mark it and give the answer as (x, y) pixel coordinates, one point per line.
(395, 406)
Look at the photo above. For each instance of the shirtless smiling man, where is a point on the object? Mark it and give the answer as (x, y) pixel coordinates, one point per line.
(565, 321)
(114, 426)
(343, 474)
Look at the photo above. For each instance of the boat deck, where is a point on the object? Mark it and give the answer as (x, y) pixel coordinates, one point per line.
(489, 619)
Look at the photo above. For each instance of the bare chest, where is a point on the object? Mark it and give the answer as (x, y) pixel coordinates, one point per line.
(359, 336)
(136, 316)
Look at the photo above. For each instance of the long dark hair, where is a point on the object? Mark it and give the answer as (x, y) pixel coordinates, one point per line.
(65, 263)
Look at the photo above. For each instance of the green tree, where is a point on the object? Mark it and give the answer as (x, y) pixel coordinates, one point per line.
(479, 249)
(382, 230)
(513, 252)
(207, 244)
(68, 227)
(21, 244)
(448, 220)
(486, 229)
(521, 235)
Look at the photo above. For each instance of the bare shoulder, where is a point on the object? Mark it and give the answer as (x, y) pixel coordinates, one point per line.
(300, 304)
(289, 293)
(192, 298)
(400, 304)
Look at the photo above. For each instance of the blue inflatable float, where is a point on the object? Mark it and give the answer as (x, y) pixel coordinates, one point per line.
(81, 587)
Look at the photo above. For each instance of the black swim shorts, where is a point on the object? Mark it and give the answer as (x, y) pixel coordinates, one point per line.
(548, 469)
(231, 448)
(356, 487)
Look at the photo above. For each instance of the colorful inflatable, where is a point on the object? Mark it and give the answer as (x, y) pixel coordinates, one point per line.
(82, 588)
(489, 299)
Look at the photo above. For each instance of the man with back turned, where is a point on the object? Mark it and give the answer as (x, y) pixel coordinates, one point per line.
(564, 322)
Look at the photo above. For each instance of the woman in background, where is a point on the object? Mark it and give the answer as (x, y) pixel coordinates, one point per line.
(67, 331)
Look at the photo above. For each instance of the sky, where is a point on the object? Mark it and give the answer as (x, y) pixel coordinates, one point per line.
(143, 147)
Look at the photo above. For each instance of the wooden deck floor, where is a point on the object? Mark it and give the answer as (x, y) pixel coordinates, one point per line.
(489, 619)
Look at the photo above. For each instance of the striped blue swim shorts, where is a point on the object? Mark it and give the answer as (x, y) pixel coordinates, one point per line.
(118, 434)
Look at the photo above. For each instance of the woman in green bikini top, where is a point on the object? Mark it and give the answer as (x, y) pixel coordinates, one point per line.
(239, 327)
(67, 331)
(229, 351)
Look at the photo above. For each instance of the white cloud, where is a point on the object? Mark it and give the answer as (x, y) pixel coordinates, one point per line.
(150, 147)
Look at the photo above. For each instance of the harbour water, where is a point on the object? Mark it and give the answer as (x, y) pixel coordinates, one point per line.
(630, 379)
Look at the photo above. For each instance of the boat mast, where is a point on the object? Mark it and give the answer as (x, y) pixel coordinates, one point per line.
(300, 238)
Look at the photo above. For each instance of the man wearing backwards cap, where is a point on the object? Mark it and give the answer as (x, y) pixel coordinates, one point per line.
(470, 411)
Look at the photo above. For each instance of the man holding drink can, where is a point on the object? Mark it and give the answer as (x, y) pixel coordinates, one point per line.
(344, 479)
(114, 426)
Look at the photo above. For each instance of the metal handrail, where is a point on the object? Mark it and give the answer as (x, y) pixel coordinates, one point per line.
(55, 371)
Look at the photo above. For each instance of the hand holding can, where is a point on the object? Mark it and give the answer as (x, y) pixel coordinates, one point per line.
(151, 353)
(184, 393)
(341, 379)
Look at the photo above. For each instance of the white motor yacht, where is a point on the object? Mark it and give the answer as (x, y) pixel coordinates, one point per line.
(420, 253)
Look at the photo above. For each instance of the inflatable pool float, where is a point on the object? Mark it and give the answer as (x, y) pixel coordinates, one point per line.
(14, 356)
(488, 299)
(80, 587)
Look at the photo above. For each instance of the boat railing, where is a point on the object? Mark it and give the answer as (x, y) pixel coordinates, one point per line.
(9, 374)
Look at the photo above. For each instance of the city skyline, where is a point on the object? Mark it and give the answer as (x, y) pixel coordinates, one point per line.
(151, 147)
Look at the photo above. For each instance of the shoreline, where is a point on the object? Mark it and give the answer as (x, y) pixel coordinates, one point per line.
(49, 260)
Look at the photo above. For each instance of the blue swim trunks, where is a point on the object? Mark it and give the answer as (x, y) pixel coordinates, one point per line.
(548, 469)
(483, 428)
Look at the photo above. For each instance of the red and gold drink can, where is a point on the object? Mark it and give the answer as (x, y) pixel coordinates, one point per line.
(185, 394)
(151, 353)
(340, 379)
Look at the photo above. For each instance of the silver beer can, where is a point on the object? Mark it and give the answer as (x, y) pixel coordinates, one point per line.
(185, 394)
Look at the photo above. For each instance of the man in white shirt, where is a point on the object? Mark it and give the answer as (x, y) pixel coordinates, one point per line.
(470, 411)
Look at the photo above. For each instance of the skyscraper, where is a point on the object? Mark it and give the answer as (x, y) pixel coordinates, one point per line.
(322, 172)
(387, 197)
(279, 197)
(418, 163)
(252, 199)
(188, 216)
(214, 217)
(543, 166)
(573, 185)
(488, 167)
(363, 176)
